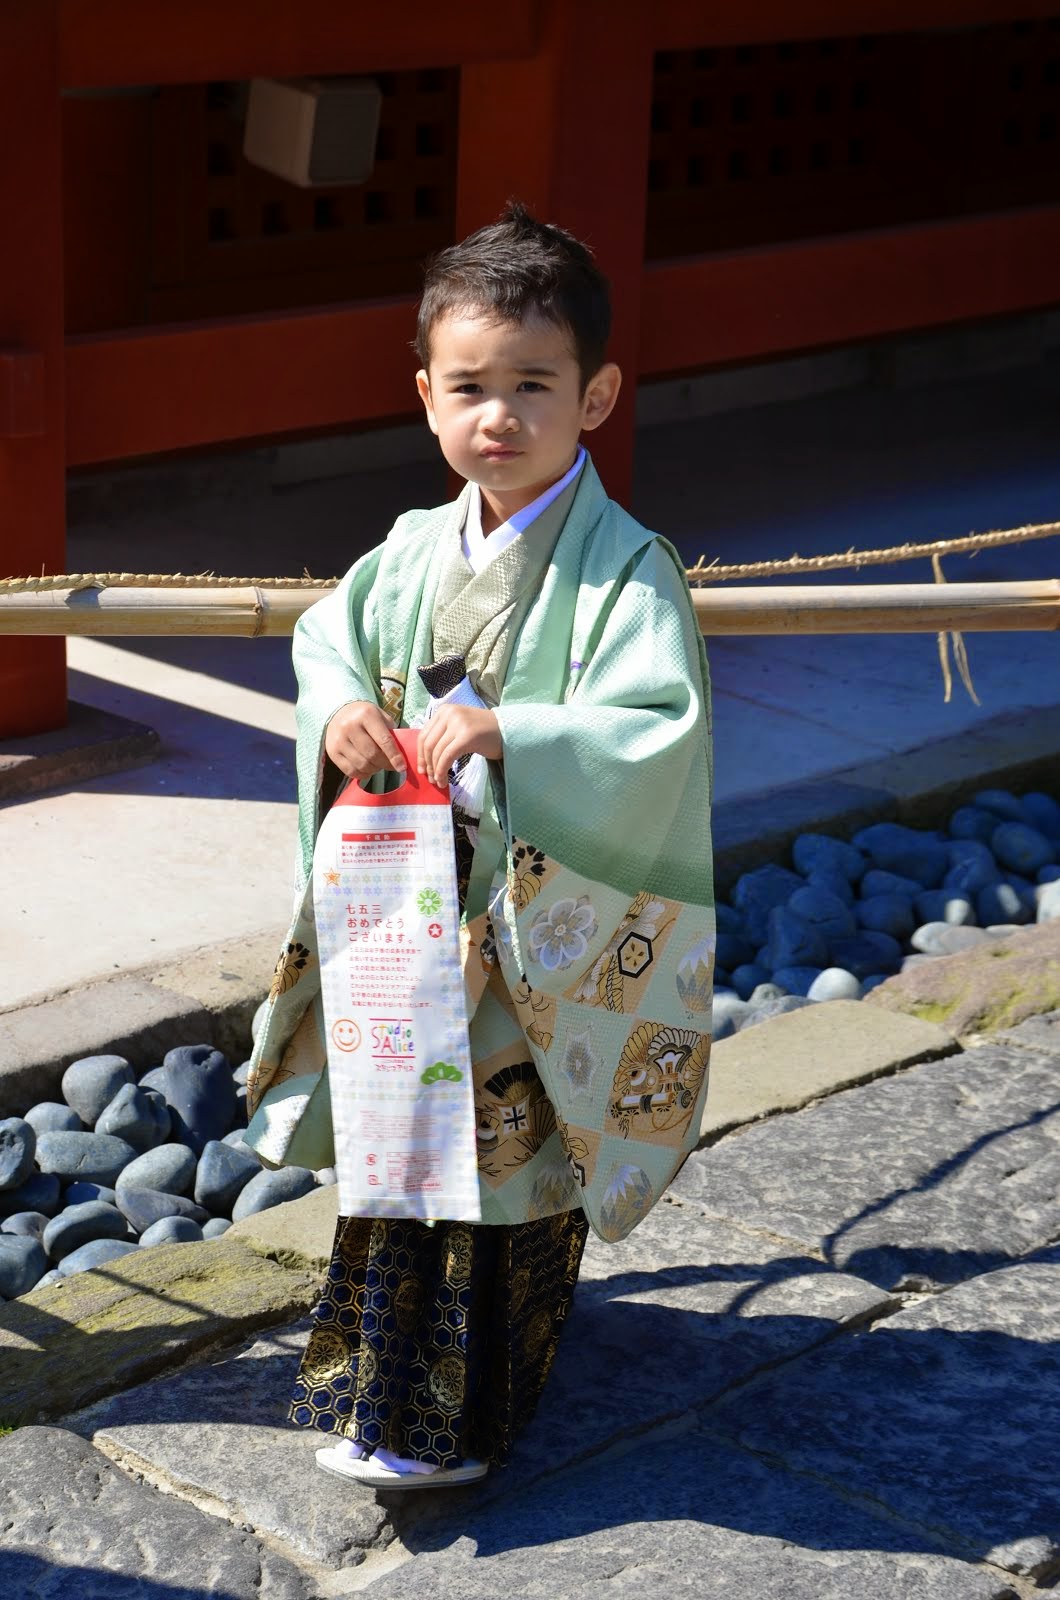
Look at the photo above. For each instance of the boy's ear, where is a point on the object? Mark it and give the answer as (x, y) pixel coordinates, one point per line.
(423, 386)
(601, 392)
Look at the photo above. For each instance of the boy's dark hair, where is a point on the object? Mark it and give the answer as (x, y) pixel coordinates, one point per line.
(516, 268)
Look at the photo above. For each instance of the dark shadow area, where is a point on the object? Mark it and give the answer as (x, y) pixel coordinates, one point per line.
(203, 755)
(28, 1577)
(260, 664)
(860, 468)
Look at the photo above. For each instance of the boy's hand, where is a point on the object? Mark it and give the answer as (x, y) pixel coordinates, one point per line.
(456, 731)
(358, 740)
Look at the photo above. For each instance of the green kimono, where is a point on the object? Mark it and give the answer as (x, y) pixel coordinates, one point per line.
(588, 928)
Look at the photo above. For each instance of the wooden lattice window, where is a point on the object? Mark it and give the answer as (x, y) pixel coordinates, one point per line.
(229, 238)
(761, 144)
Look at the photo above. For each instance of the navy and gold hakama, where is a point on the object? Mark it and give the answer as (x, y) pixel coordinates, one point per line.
(435, 1342)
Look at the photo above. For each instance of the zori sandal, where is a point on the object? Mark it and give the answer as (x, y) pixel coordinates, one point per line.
(373, 1475)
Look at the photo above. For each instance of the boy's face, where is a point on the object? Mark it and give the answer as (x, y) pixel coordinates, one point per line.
(505, 401)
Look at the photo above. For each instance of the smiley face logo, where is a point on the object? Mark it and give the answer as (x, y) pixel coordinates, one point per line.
(345, 1034)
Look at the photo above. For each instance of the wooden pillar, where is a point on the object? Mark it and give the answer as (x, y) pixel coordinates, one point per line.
(567, 131)
(32, 435)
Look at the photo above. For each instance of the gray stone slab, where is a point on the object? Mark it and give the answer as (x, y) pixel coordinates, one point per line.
(93, 744)
(720, 1303)
(64, 1346)
(1037, 1033)
(222, 1431)
(77, 1528)
(787, 1061)
(948, 1413)
(42, 1039)
(942, 1172)
(676, 1518)
(672, 1316)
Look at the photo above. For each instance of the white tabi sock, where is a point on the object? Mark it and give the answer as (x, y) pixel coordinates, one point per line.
(350, 1449)
(384, 1458)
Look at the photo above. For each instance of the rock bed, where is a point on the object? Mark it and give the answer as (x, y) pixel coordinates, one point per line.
(847, 916)
(120, 1164)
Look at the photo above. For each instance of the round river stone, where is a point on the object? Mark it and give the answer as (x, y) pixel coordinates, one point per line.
(23, 1264)
(78, 1224)
(200, 1094)
(1001, 803)
(944, 939)
(18, 1144)
(89, 1085)
(40, 1192)
(136, 1115)
(78, 1194)
(1043, 813)
(170, 1167)
(224, 1171)
(834, 984)
(171, 1230)
(774, 1008)
(888, 913)
(1022, 849)
(97, 1157)
(813, 852)
(142, 1208)
(51, 1117)
(27, 1224)
(95, 1254)
(272, 1189)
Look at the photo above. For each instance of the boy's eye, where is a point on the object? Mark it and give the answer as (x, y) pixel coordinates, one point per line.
(467, 388)
(532, 386)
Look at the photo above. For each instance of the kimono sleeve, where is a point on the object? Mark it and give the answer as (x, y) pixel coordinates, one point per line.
(615, 783)
(336, 659)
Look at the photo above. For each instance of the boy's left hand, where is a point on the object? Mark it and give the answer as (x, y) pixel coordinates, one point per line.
(456, 731)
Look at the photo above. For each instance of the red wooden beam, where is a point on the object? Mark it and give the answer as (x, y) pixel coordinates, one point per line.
(32, 477)
(688, 24)
(709, 310)
(108, 43)
(175, 388)
(574, 137)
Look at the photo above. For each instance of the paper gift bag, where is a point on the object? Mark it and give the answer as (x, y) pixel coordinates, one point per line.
(399, 1061)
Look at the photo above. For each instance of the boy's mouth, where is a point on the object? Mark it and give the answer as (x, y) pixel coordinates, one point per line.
(499, 452)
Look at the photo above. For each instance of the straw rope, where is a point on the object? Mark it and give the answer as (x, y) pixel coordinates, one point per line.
(702, 573)
(968, 544)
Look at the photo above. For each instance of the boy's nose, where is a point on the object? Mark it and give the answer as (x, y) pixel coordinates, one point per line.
(500, 418)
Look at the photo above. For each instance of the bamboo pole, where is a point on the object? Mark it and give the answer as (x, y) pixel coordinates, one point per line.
(252, 612)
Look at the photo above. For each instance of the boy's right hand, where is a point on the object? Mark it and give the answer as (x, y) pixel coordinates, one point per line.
(358, 740)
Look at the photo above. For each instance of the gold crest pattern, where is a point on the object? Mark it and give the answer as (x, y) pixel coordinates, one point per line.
(294, 959)
(514, 1117)
(536, 1013)
(618, 976)
(658, 1079)
(525, 875)
(458, 1257)
(446, 1382)
(392, 693)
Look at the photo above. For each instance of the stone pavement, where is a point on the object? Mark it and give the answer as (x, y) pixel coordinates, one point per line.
(824, 1368)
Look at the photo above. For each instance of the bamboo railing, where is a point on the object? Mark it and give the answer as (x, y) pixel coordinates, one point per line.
(254, 610)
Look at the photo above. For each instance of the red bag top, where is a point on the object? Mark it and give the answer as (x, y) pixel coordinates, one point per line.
(417, 790)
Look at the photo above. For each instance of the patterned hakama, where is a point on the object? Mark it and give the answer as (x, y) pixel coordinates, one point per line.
(435, 1342)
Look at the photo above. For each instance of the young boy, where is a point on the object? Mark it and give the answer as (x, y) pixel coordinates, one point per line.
(552, 643)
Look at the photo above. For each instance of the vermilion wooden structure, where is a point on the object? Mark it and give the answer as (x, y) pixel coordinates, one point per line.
(755, 180)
